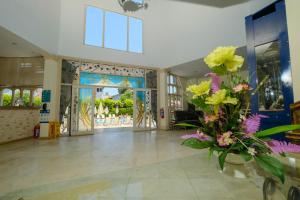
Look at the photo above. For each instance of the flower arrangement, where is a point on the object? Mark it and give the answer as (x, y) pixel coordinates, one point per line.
(228, 126)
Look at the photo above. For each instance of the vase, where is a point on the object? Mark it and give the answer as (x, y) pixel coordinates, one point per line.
(235, 166)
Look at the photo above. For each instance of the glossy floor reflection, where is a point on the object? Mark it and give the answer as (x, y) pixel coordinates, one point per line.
(115, 165)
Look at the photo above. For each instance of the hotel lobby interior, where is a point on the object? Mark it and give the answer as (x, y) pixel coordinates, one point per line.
(149, 99)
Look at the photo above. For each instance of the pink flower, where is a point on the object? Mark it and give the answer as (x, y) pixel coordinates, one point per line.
(225, 139)
(216, 82)
(199, 135)
(252, 123)
(278, 147)
(241, 87)
(210, 118)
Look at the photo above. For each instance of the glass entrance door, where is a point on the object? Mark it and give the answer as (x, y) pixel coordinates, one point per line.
(144, 112)
(82, 110)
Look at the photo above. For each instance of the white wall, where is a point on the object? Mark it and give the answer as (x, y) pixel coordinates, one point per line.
(34, 20)
(174, 31)
(293, 16)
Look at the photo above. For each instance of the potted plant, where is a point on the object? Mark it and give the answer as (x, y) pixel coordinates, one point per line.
(228, 128)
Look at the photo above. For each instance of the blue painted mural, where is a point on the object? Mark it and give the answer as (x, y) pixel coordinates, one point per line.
(87, 78)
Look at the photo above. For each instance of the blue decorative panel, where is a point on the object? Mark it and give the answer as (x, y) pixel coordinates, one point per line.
(269, 64)
(87, 78)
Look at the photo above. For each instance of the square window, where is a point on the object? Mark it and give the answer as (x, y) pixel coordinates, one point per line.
(94, 26)
(115, 31)
(135, 35)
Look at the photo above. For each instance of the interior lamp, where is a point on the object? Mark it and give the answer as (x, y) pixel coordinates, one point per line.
(132, 5)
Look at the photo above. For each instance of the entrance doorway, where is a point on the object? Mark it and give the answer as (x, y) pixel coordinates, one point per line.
(95, 107)
(113, 108)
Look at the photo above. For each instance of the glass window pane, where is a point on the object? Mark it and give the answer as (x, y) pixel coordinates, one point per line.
(268, 73)
(7, 97)
(135, 35)
(94, 26)
(115, 31)
(138, 1)
(37, 97)
(26, 97)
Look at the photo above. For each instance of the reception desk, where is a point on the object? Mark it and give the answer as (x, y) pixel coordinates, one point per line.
(17, 123)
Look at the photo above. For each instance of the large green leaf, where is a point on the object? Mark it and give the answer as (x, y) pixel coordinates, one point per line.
(197, 144)
(222, 158)
(187, 125)
(271, 165)
(276, 130)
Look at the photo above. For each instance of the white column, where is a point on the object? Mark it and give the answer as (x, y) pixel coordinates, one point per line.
(163, 123)
(293, 16)
(52, 81)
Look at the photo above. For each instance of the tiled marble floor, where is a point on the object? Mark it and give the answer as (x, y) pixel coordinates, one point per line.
(115, 165)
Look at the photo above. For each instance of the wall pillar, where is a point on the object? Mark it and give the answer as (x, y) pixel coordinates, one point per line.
(13, 91)
(31, 97)
(52, 81)
(21, 93)
(163, 123)
(293, 16)
(1, 97)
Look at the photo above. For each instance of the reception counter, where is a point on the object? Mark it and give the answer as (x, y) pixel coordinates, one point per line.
(17, 123)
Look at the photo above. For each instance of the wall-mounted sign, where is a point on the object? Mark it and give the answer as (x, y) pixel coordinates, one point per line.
(44, 116)
(46, 96)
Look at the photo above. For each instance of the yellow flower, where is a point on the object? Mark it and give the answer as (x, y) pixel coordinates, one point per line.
(201, 89)
(219, 56)
(224, 56)
(236, 63)
(220, 98)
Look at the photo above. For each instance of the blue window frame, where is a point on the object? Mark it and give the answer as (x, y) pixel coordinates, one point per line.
(135, 35)
(94, 26)
(118, 31)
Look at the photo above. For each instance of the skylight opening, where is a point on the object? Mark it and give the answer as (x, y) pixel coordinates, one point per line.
(113, 30)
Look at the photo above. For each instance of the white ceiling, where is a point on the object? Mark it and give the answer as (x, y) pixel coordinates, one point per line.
(12, 45)
(216, 3)
(197, 68)
(175, 31)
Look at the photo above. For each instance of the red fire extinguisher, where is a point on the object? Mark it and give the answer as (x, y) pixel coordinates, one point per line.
(36, 131)
(162, 113)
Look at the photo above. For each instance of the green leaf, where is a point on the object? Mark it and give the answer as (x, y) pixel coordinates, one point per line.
(220, 70)
(246, 156)
(197, 144)
(276, 130)
(222, 158)
(200, 103)
(187, 125)
(271, 165)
